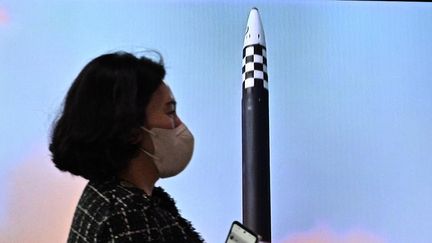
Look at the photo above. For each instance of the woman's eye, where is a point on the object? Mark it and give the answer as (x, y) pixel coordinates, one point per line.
(171, 113)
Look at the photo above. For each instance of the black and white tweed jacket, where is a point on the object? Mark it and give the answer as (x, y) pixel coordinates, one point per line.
(113, 211)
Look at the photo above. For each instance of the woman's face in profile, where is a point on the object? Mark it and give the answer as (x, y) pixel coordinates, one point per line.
(161, 110)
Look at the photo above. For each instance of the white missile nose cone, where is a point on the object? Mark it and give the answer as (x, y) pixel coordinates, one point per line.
(254, 29)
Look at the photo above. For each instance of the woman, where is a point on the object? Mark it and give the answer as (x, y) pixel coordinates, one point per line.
(119, 129)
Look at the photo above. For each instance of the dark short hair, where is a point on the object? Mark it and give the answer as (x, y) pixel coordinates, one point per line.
(95, 134)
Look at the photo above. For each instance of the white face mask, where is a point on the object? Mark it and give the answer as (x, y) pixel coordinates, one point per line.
(173, 149)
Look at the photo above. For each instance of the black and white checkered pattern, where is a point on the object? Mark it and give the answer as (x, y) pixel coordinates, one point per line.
(254, 66)
(115, 212)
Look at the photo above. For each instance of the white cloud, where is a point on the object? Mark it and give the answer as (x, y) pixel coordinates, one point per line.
(40, 202)
(324, 234)
(4, 17)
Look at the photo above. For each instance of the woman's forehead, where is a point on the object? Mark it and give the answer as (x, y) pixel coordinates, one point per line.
(167, 93)
(163, 95)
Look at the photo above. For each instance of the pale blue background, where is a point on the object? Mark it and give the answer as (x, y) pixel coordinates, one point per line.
(350, 102)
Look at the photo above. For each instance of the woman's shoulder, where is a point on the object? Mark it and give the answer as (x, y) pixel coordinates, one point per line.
(101, 199)
(118, 193)
(115, 209)
(114, 193)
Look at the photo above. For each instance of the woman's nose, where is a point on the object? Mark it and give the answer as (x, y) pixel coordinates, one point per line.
(177, 121)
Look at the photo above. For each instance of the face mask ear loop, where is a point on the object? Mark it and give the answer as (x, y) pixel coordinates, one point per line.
(149, 154)
(150, 132)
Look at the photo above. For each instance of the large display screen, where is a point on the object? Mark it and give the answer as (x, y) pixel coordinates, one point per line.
(350, 98)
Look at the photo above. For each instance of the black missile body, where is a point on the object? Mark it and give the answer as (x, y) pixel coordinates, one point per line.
(255, 130)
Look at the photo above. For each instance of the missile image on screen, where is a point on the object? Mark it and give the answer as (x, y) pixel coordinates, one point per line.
(255, 130)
